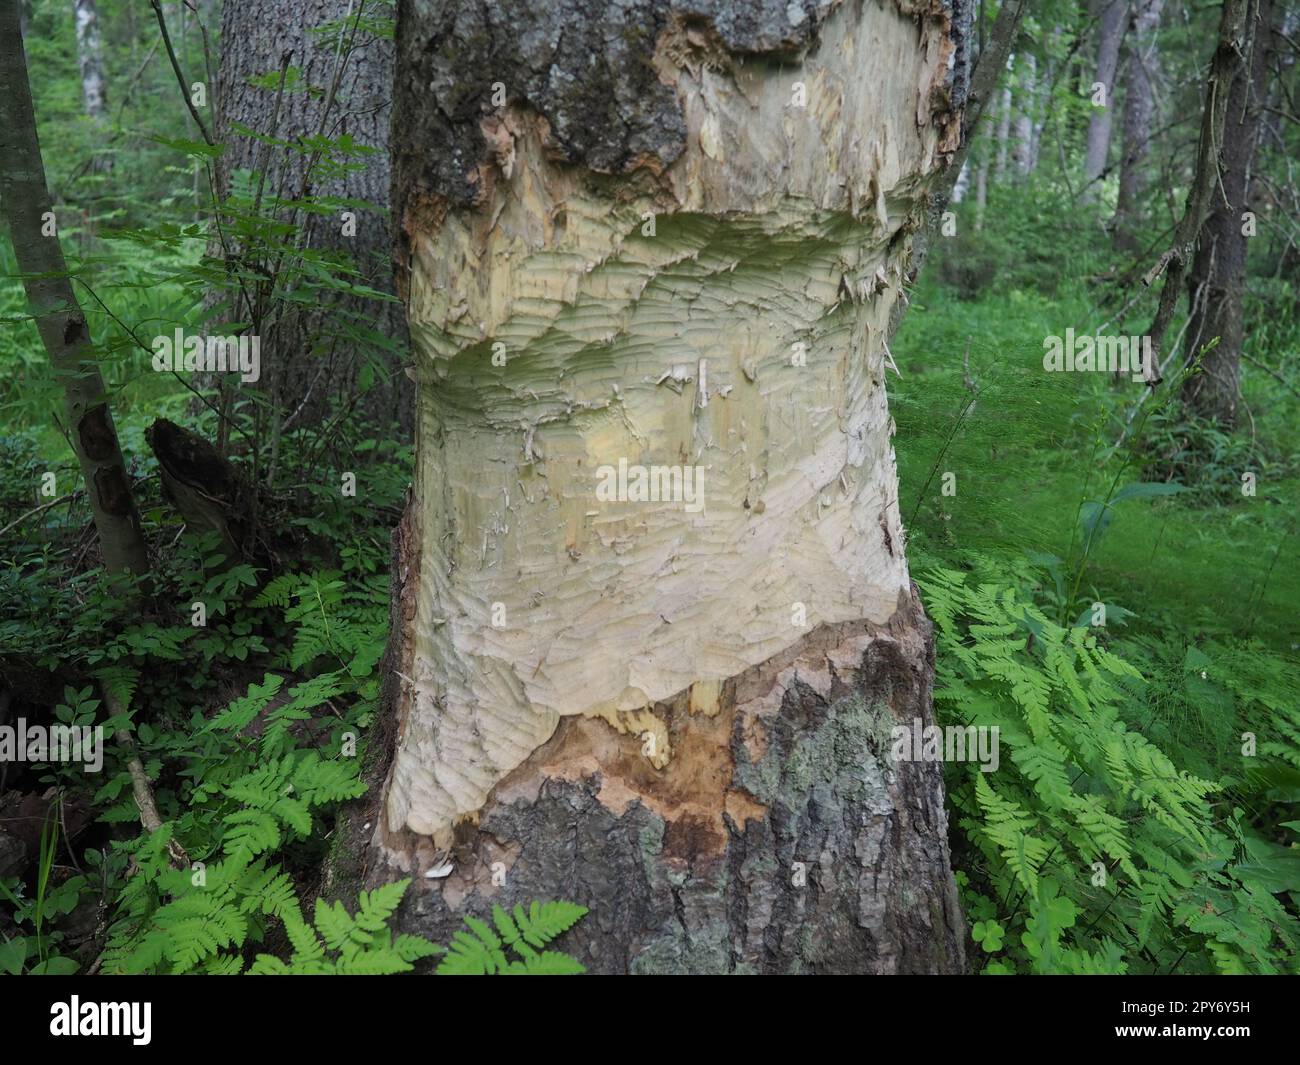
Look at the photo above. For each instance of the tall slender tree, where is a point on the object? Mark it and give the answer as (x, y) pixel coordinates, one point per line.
(90, 60)
(1111, 21)
(1217, 278)
(25, 200)
(1139, 107)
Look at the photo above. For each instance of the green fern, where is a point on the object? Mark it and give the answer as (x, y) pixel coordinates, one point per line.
(341, 943)
(482, 951)
(1087, 816)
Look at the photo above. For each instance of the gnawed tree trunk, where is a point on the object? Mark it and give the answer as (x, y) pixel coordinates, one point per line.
(1110, 35)
(685, 256)
(25, 200)
(1139, 107)
(1218, 275)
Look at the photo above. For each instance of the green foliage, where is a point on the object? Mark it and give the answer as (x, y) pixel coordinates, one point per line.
(1089, 846)
(345, 944)
(243, 800)
(482, 950)
(34, 951)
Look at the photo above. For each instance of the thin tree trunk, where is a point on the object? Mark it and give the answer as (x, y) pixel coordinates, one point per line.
(1110, 35)
(1024, 122)
(1139, 105)
(1218, 272)
(675, 711)
(1004, 129)
(1225, 67)
(962, 184)
(90, 60)
(982, 188)
(27, 208)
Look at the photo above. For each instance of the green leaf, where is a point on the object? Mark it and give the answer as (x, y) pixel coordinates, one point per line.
(12, 955)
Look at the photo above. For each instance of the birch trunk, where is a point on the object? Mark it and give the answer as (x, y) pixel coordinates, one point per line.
(1110, 35)
(1024, 122)
(90, 60)
(1004, 131)
(675, 710)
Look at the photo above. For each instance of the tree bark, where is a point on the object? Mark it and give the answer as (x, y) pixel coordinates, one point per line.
(1218, 273)
(90, 60)
(1110, 35)
(308, 364)
(62, 326)
(675, 711)
(1225, 67)
(1028, 97)
(1139, 106)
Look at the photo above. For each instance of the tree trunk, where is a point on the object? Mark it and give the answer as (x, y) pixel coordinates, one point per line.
(309, 363)
(1218, 273)
(674, 707)
(1110, 35)
(1139, 106)
(962, 185)
(1027, 94)
(90, 60)
(1004, 130)
(982, 188)
(26, 202)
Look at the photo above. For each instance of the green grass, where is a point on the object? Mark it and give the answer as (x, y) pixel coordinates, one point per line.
(1024, 458)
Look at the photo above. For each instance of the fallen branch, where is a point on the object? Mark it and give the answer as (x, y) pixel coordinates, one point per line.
(141, 789)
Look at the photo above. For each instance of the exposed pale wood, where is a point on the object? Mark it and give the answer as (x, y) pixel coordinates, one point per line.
(776, 225)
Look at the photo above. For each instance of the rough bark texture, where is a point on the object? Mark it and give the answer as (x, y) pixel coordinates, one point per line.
(259, 36)
(25, 200)
(1218, 273)
(1110, 35)
(1139, 106)
(779, 839)
(653, 710)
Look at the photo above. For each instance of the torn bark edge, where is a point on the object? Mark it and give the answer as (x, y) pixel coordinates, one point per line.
(346, 869)
(385, 849)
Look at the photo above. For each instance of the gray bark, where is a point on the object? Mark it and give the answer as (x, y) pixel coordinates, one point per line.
(1218, 275)
(1024, 122)
(1139, 106)
(1005, 109)
(1110, 35)
(306, 366)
